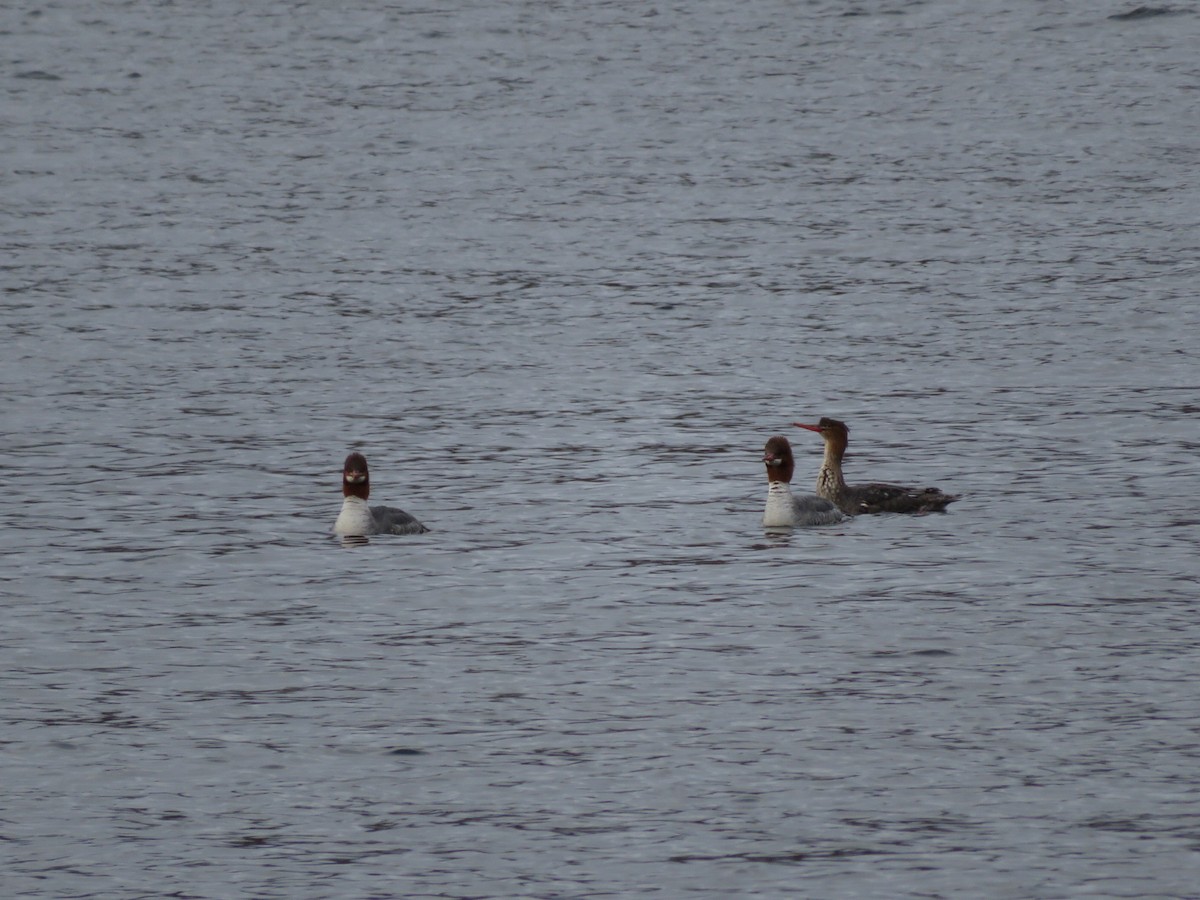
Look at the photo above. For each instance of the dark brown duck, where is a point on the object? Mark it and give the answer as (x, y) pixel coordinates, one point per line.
(858, 499)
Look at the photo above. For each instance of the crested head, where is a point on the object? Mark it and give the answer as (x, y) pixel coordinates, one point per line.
(831, 430)
(356, 481)
(777, 457)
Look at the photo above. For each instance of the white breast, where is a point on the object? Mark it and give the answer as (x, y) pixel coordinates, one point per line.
(355, 518)
(781, 510)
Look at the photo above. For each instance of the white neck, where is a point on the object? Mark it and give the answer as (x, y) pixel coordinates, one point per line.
(355, 518)
(780, 508)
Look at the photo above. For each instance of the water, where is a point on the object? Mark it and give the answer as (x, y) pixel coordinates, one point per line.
(559, 271)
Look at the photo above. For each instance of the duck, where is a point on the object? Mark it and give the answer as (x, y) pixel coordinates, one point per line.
(784, 509)
(860, 499)
(357, 519)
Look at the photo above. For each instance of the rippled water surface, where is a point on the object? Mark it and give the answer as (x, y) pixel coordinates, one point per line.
(559, 270)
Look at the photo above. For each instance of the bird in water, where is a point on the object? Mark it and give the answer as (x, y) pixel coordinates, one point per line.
(785, 510)
(357, 518)
(858, 499)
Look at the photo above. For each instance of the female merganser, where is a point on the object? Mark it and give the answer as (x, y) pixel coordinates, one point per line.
(783, 509)
(866, 498)
(356, 518)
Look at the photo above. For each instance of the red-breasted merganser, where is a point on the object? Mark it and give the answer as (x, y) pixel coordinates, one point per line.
(783, 509)
(866, 498)
(356, 518)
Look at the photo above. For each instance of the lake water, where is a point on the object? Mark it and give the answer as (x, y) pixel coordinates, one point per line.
(559, 270)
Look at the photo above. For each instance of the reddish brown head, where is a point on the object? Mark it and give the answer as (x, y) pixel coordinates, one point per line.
(835, 433)
(356, 482)
(777, 456)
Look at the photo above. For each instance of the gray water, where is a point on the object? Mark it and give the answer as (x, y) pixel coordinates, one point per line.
(559, 270)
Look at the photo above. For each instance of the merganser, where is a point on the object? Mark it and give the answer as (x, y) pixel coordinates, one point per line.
(866, 498)
(783, 509)
(356, 518)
